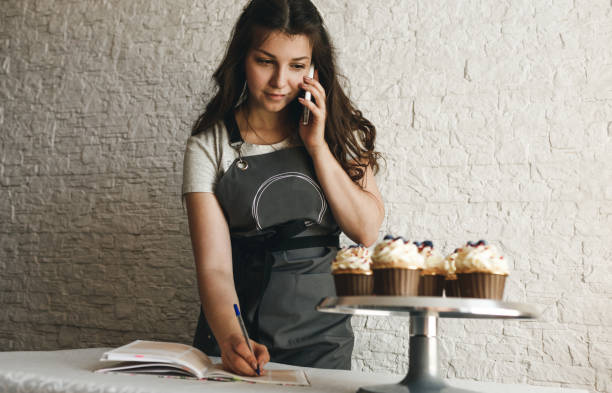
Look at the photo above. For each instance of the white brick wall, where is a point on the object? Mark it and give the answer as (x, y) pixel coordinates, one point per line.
(495, 118)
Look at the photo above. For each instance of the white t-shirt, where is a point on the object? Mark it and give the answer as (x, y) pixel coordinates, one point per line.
(209, 154)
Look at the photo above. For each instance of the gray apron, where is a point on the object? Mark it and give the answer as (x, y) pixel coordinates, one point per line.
(284, 238)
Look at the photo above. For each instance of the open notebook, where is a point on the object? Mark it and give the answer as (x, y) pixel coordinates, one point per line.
(166, 358)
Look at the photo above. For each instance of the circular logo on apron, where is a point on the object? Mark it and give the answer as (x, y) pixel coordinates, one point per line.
(288, 196)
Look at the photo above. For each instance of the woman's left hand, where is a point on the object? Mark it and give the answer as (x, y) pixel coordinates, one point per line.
(313, 133)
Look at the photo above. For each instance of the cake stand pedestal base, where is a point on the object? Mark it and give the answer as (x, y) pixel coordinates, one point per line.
(413, 388)
(423, 371)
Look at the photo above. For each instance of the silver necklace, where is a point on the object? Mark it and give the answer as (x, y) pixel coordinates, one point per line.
(242, 163)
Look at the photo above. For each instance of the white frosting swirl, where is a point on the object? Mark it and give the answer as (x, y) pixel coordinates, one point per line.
(392, 253)
(449, 264)
(481, 259)
(434, 261)
(353, 258)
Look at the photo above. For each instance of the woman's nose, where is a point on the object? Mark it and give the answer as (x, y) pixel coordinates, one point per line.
(279, 78)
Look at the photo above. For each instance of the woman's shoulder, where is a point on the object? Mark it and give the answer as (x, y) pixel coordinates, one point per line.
(214, 137)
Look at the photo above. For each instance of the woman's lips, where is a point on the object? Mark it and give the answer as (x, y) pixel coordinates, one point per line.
(275, 96)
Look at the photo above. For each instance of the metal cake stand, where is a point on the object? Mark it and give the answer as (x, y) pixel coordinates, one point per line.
(423, 370)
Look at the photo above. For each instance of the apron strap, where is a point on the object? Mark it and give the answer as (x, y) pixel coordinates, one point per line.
(232, 128)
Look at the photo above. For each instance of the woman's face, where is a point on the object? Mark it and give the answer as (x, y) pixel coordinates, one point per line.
(275, 69)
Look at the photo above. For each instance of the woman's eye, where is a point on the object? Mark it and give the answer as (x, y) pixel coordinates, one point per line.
(270, 61)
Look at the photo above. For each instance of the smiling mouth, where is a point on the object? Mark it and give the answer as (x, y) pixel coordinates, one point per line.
(276, 97)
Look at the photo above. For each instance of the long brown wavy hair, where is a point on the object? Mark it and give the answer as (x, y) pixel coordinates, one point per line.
(349, 135)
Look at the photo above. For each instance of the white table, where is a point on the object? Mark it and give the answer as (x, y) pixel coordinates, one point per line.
(71, 371)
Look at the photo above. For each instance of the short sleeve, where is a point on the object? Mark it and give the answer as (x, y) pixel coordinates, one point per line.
(200, 165)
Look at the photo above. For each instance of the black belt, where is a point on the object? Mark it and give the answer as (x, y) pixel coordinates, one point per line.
(307, 242)
(293, 243)
(283, 237)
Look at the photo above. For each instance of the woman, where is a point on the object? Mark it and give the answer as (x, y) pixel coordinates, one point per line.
(267, 195)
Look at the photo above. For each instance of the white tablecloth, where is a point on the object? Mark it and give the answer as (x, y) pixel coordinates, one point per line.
(71, 371)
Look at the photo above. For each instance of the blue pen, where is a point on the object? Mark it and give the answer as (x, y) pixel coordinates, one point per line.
(245, 334)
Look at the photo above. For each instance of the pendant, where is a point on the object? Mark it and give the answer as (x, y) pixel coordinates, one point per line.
(242, 164)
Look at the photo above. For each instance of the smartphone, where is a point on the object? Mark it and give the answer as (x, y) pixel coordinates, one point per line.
(308, 96)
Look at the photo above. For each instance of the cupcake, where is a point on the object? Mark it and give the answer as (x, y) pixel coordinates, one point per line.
(451, 284)
(434, 273)
(397, 267)
(481, 271)
(352, 271)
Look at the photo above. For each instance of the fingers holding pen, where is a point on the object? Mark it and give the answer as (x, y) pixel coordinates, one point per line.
(262, 355)
(237, 357)
(236, 364)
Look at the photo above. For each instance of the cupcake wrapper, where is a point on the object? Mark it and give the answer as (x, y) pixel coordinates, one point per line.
(354, 284)
(399, 282)
(431, 285)
(482, 285)
(451, 288)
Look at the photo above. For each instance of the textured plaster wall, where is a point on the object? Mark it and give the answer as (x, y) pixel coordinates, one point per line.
(495, 118)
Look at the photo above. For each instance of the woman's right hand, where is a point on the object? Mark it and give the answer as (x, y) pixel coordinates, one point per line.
(237, 358)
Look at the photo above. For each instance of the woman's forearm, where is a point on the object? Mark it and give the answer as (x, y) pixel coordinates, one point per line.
(358, 212)
(218, 296)
(213, 259)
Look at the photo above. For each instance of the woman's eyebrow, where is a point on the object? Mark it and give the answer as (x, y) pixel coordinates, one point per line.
(271, 55)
